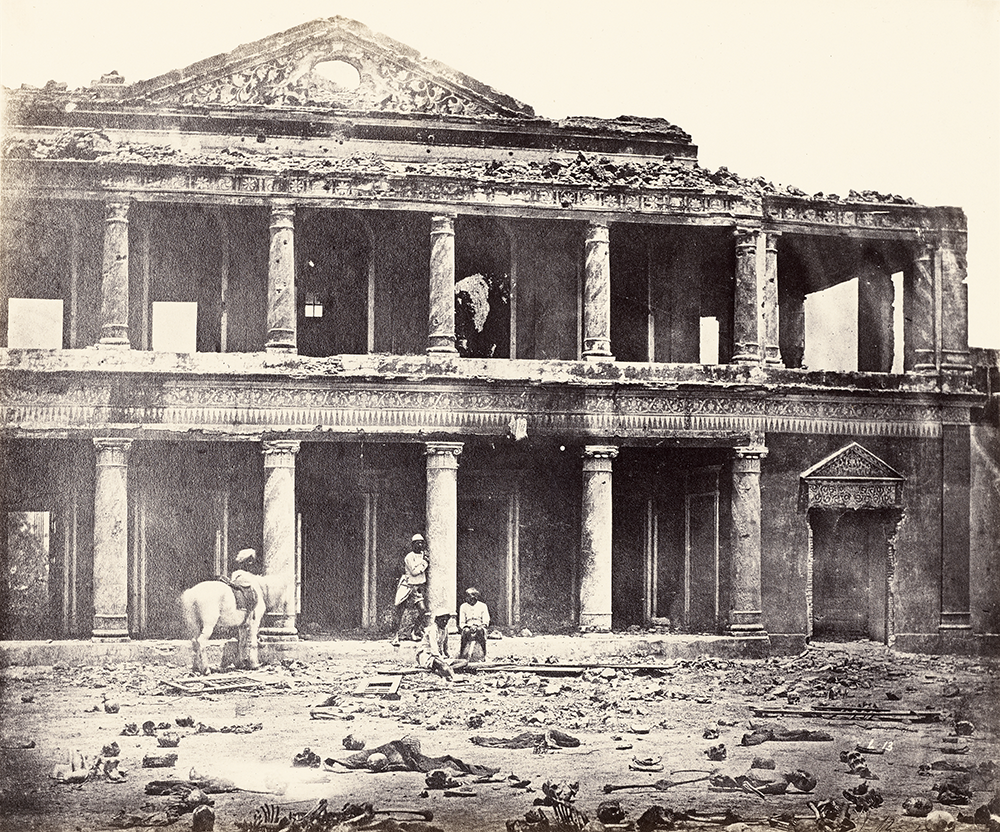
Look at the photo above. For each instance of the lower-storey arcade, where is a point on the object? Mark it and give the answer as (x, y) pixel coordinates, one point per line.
(772, 538)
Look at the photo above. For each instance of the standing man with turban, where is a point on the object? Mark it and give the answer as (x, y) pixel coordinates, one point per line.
(411, 603)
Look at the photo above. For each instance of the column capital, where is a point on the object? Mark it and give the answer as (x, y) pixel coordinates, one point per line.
(443, 223)
(771, 239)
(598, 231)
(443, 454)
(116, 210)
(280, 453)
(600, 451)
(598, 458)
(747, 235)
(282, 213)
(748, 457)
(112, 450)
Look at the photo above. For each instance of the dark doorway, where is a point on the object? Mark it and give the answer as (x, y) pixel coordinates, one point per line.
(483, 545)
(850, 563)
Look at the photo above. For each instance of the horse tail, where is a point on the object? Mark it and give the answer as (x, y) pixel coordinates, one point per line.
(192, 620)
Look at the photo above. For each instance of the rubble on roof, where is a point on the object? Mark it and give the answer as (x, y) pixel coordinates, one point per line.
(582, 169)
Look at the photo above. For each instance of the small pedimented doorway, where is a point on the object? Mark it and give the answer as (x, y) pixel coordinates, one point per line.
(853, 502)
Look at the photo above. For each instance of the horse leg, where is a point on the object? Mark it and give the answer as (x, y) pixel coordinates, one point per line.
(252, 630)
(200, 645)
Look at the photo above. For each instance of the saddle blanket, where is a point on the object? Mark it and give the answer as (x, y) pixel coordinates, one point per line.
(246, 596)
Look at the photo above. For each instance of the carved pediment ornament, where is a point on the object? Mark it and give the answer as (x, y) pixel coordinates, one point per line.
(283, 74)
(852, 478)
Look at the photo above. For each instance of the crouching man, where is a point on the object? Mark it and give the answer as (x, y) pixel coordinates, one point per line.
(432, 653)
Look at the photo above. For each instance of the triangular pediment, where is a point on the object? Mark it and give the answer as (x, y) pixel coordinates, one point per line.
(287, 70)
(852, 462)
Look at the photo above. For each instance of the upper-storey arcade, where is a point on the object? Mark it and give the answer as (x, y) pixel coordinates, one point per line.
(249, 203)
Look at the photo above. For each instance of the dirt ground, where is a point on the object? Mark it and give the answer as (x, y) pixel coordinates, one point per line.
(665, 710)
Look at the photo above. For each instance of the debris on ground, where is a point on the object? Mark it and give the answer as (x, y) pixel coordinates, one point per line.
(307, 758)
(529, 739)
(159, 760)
(404, 755)
(320, 818)
(767, 731)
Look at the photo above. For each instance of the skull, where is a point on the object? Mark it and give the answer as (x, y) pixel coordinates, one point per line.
(917, 807)
(940, 821)
(378, 762)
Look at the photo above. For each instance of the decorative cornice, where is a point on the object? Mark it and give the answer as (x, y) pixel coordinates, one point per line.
(62, 178)
(240, 408)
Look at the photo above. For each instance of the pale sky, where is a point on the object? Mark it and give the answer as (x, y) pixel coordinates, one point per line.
(897, 96)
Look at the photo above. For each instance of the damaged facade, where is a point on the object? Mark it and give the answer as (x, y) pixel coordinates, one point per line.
(250, 306)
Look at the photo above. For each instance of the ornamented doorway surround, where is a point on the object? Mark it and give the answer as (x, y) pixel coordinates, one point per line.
(854, 480)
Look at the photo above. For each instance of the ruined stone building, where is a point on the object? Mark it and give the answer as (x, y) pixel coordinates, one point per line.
(320, 292)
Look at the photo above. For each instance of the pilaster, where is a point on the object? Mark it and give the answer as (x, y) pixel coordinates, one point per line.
(595, 538)
(114, 278)
(441, 322)
(597, 293)
(281, 297)
(442, 524)
(111, 540)
(954, 307)
(745, 600)
(279, 537)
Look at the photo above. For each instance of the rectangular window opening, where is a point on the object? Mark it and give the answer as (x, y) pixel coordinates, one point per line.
(314, 306)
(708, 350)
(34, 324)
(175, 326)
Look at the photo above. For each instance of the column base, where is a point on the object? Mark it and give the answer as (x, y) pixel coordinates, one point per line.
(278, 634)
(442, 349)
(751, 644)
(598, 356)
(113, 344)
(110, 628)
(955, 622)
(284, 349)
(595, 622)
(278, 628)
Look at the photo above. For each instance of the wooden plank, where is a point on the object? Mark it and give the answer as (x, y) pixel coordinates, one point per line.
(385, 687)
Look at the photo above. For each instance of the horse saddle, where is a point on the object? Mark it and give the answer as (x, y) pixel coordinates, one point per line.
(246, 596)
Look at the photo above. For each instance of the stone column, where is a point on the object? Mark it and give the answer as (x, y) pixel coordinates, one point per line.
(281, 301)
(745, 601)
(954, 308)
(279, 537)
(441, 321)
(920, 311)
(769, 301)
(111, 540)
(597, 293)
(747, 303)
(595, 538)
(114, 278)
(442, 524)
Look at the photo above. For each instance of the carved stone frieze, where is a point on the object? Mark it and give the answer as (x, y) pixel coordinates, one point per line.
(852, 478)
(366, 187)
(239, 407)
(854, 495)
(291, 80)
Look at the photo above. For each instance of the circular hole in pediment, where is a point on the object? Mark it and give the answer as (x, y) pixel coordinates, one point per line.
(341, 73)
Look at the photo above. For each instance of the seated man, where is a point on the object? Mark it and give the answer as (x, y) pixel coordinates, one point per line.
(473, 619)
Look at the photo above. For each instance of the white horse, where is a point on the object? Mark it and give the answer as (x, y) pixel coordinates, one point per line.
(212, 603)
